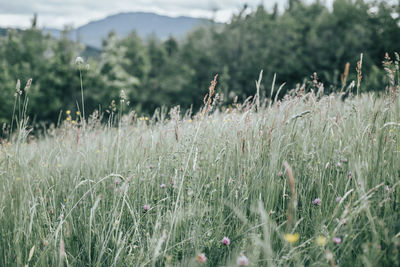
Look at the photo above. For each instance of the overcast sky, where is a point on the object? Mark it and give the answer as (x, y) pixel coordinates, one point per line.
(57, 13)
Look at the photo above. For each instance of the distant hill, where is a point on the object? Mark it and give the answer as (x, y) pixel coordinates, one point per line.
(144, 23)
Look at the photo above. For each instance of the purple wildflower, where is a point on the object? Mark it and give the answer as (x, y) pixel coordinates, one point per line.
(317, 201)
(226, 241)
(163, 185)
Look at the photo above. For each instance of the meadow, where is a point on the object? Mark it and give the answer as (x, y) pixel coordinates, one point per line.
(307, 180)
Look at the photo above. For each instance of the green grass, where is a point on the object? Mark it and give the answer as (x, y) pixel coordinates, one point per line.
(224, 175)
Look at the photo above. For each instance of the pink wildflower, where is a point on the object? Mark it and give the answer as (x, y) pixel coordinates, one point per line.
(226, 241)
(146, 207)
(337, 240)
(317, 201)
(242, 261)
(201, 258)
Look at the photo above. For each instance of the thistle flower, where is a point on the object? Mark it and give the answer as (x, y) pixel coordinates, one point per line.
(163, 185)
(242, 260)
(317, 201)
(226, 241)
(146, 207)
(201, 258)
(321, 240)
(117, 181)
(292, 238)
(337, 240)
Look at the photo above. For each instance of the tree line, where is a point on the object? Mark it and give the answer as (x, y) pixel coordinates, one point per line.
(298, 44)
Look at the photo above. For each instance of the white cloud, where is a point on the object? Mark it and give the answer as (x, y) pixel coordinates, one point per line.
(57, 13)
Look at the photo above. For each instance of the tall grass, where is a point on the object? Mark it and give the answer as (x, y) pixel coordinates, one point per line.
(159, 192)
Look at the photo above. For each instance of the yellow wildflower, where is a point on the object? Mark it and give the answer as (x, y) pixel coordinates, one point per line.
(68, 112)
(68, 118)
(190, 121)
(73, 121)
(292, 238)
(78, 113)
(321, 240)
(141, 118)
(146, 118)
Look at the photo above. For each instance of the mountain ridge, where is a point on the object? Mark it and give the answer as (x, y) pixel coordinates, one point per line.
(144, 23)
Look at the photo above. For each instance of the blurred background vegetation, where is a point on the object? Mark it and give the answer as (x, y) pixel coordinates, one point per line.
(293, 43)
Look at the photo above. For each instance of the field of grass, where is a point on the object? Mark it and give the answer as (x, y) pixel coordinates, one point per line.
(307, 181)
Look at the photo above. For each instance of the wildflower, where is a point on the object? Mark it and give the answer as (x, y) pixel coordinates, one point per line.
(338, 199)
(317, 201)
(339, 164)
(163, 185)
(146, 118)
(292, 238)
(321, 240)
(337, 240)
(78, 113)
(242, 260)
(350, 175)
(201, 258)
(328, 255)
(79, 61)
(141, 118)
(387, 188)
(68, 118)
(73, 121)
(280, 174)
(226, 241)
(117, 181)
(68, 112)
(146, 207)
(190, 121)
